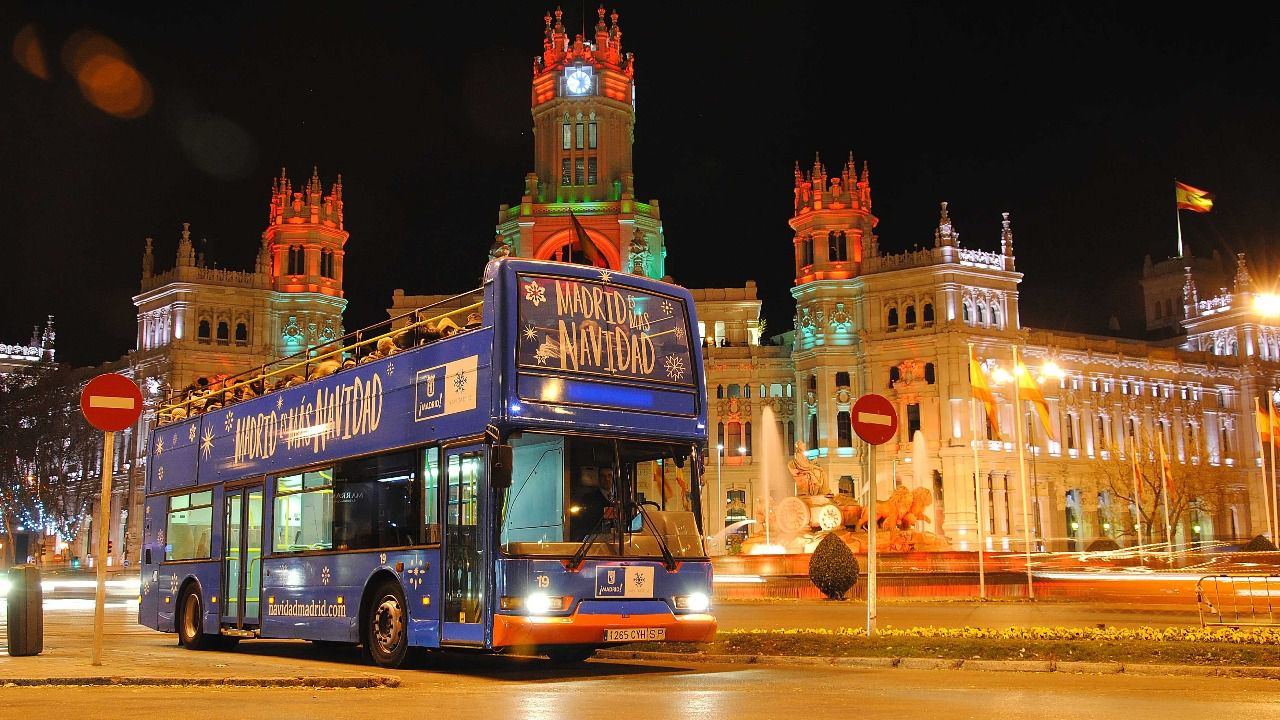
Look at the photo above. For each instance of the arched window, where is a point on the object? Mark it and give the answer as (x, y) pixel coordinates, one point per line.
(791, 433)
(911, 315)
(224, 333)
(297, 260)
(242, 334)
(806, 251)
(842, 379)
(995, 316)
(326, 263)
(203, 332)
(929, 376)
(734, 439)
(966, 312)
(746, 390)
(719, 392)
(813, 431)
(837, 248)
(894, 375)
(735, 390)
(982, 317)
(720, 436)
(813, 383)
(844, 430)
(746, 442)
(927, 316)
(892, 320)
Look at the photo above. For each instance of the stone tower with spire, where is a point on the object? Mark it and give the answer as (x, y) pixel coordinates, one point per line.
(579, 202)
(195, 320)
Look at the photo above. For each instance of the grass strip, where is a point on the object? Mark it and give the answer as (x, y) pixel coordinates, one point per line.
(1188, 646)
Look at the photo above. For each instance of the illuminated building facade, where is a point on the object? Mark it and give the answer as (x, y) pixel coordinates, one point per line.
(38, 350)
(900, 324)
(197, 321)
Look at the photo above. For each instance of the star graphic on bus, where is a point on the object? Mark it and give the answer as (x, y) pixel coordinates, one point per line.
(206, 443)
(674, 366)
(160, 474)
(191, 433)
(227, 421)
(160, 445)
(606, 276)
(391, 368)
(535, 293)
(542, 355)
(679, 333)
(279, 404)
(530, 332)
(173, 442)
(638, 581)
(666, 307)
(324, 575)
(460, 381)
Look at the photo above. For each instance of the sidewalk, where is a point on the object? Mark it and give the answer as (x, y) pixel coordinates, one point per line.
(134, 655)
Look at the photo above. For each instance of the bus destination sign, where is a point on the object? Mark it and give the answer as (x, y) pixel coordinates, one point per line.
(600, 328)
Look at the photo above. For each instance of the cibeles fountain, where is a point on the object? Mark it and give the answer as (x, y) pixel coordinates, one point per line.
(797, 505)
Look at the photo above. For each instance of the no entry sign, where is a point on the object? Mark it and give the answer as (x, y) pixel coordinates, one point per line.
(111, 402)
(875, 419)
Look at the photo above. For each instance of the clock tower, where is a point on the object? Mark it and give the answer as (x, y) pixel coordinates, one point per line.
(579, 203)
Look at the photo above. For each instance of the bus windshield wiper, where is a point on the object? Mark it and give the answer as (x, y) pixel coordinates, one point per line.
(668, 560)
(610, 512)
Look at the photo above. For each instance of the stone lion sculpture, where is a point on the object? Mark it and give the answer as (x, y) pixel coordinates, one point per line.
(888, 513)
(921, 500)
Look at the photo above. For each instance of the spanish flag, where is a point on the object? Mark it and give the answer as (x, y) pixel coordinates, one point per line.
(1165, 467)
(1031, 391)
(982, 393)
(1193, 199)
(1262, 421)
(586, 244)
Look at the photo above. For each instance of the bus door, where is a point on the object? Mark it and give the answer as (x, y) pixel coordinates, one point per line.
(465, 550)
(242, 566)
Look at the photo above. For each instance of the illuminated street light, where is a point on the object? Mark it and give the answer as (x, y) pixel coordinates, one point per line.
(1051, 369)
(1267, 303)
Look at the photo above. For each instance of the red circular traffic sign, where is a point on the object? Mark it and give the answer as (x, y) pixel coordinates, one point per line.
(875, 419)
(111, 402)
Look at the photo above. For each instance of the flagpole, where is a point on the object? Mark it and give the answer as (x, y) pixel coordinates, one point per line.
(1177, 215)
(1019, 421)
(1164, 478)
(977, 487)
(977, 499)
(1137, 495)
(1274, 520)
(1266, 495)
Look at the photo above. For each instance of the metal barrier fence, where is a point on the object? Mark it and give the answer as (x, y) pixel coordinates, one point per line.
(1238, 600)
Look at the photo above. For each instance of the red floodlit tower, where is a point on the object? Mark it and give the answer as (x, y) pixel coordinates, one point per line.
(579, 203)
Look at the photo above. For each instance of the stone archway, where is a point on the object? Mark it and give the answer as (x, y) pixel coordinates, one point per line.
(557, 241)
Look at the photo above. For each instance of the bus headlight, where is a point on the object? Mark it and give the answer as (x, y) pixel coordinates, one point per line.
(535, 603)
(695, 602)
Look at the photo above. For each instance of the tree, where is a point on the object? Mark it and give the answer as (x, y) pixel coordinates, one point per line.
(1194, 486)
(49, 455)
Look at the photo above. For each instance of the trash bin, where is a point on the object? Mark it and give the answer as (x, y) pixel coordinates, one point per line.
(25, 615)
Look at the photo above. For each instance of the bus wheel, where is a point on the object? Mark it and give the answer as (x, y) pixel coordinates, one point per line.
(190, 623)
(569, 654)
(386, 627)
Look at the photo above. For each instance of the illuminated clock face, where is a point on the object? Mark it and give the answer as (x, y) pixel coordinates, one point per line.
(578, 82)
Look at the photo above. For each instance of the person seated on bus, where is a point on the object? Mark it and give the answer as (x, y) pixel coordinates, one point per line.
(587, 502)
(324, 368)
(473, 319)
(348, 363)
(294, 379)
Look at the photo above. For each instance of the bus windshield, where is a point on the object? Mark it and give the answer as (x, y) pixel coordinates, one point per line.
(601, 497)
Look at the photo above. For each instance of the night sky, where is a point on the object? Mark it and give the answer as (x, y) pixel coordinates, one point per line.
(1074, 118)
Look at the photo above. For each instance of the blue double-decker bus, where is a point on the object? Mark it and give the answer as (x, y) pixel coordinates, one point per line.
(517, 468)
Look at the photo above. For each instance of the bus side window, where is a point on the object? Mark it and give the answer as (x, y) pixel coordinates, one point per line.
(431, 495)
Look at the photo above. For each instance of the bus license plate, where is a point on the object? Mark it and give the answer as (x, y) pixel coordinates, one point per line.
(635, 634)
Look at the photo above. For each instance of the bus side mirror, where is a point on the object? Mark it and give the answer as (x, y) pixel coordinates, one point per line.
(500, 466)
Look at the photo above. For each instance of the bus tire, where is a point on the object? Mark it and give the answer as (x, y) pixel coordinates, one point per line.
(386, 626)
(190, 622)
(569, 654)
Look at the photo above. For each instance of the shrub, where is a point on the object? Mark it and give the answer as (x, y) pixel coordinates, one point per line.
(833, 569)
(1103, 545)
(1259, 544)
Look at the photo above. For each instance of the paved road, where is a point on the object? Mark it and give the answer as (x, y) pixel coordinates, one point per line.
(501, 687)
(515, 688)
(827, 614)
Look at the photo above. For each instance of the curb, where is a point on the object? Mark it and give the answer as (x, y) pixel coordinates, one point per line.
(374, 681)
(1035, 666)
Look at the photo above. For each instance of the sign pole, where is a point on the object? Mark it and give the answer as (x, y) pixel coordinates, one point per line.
(977, 501)
(110, 403)
(871, 541)
(104, 530)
